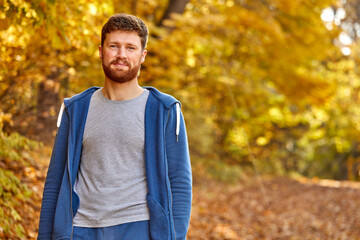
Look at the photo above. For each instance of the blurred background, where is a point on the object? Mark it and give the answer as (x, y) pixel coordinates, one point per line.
(268, 87)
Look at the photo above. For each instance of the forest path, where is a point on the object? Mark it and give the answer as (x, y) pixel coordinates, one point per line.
(291, 209)
(304, 209)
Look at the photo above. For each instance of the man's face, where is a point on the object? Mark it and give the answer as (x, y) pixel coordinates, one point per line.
(122, 56)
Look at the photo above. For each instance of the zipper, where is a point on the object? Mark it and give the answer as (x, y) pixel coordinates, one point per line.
(71, 210)
(68, 168)
(167, 176)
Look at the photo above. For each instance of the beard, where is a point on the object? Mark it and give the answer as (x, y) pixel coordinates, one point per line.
(120, 75)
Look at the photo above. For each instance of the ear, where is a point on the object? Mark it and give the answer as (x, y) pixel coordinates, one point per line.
(100, 52)
(143, 56)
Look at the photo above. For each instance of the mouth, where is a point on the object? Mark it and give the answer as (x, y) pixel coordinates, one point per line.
(120, 64)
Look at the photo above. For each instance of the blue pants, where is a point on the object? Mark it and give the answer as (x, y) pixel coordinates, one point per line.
(127, 231)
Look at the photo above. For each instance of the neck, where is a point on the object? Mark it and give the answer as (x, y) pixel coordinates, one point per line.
(121, 91)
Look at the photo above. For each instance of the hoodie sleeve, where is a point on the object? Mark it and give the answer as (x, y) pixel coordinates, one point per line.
(179, 170)
(53, 179)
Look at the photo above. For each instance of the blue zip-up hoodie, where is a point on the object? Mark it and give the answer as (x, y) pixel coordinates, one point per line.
(167, 164)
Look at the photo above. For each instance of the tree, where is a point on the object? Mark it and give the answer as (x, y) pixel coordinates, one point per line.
(174, 6)
(43, 46)
(249, 70)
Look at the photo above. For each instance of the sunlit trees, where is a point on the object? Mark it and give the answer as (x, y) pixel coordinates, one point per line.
(262, 80)
(252, 75)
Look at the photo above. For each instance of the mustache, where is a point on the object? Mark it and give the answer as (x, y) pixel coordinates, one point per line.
(116, 61)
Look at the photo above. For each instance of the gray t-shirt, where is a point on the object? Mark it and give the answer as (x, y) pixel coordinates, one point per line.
(111, 181)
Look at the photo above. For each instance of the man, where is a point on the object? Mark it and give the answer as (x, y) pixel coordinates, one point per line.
(120, 166)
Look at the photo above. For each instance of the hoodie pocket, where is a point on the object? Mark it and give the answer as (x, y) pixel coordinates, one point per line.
(159, 223)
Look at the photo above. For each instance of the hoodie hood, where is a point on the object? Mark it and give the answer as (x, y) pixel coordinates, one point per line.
(167, 100)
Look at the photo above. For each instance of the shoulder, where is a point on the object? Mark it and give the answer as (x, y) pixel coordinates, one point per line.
(80, 96)
(164, 98)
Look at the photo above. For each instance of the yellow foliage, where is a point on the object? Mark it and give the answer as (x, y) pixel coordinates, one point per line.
(264, 66)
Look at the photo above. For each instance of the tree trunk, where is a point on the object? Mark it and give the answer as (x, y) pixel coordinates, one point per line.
(47, 100)
(174, 6)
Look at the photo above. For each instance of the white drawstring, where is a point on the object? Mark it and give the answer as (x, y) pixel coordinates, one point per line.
(60, 115)
(177, 121)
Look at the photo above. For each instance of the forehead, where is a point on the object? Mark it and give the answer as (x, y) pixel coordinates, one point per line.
(123, 37)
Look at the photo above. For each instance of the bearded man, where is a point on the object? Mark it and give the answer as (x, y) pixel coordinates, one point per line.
(120, 166)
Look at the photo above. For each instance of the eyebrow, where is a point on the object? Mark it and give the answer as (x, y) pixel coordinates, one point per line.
(127, 43)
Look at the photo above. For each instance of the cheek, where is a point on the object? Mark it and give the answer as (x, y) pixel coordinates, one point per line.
(107, 56)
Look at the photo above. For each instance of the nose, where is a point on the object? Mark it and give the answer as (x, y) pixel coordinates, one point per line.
(121, 53)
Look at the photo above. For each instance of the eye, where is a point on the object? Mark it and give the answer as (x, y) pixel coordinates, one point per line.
(131, 48)
(113, 46)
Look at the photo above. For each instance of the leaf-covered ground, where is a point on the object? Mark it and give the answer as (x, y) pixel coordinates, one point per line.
(282, 209)
(279, 209)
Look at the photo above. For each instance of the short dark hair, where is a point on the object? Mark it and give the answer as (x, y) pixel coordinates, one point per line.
(125, 22)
